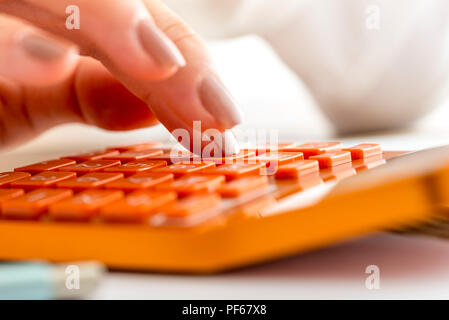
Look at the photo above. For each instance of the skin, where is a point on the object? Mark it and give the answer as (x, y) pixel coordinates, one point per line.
(95, 81)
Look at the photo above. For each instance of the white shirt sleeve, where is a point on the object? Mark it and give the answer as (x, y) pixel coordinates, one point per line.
(369, 64)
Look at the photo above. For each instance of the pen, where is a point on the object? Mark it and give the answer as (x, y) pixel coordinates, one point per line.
(41, 280)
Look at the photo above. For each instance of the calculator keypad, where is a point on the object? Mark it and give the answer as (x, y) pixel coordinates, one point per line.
(147, 183)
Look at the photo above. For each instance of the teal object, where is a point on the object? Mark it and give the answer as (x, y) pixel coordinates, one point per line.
(30, 281)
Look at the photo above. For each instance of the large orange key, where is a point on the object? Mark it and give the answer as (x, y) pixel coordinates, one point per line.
(241, 186)
(8, 194)
(140, 181)
(192, 184)
(33, 204)
(46, 165)
(175, 156)
(235, 170)
(90, 180)
(84, 205)
(364, 150)
(91, 166)
(135, 155)
(332, 159)
(137, 166)
(314, 148)
(182, 168)
(230, 159)
(7, 177)
(137, 206)
(97, 155)
(138, 147)
(297, 169)
(43, 180)
(273, 159)
(192, 205)
(264, 148)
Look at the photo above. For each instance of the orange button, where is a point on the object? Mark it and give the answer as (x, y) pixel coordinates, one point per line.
(364, 150)
(46, 165)
(8, 194)
(92, 155)
(230, 159)
(138, 147)
(297, 169)
(140, 181)
(274, 159)
(192, 183)
(235, 170)
(137, 206)
(7, 177)
(33, 204)
(84, 205)
(43, 180)
(264, 148)
(90, 180)
(175, 156)
(240, 186)
(135, 155)
(182, 168)
(314, 148)
(91, 166)
(192, 205)
(332, 159)
(137, 166)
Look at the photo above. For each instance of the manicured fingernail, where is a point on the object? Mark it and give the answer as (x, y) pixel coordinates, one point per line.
(217, 100)
(159, 46)
(42, 48)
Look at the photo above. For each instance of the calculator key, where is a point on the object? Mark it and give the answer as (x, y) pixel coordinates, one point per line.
(175, 156)
(364, 150)
(138, 147)
(314, 148)
(193, 184)
(8, 194)
(84, 205)
(235, 170)
(137, 166)
(274, 159)
(91, 166)
(90, 180)
(140, 181)
(190, 206)
(241, 186)
(46, 165)
(332, 159)
(183, 168)
(44, 179)
(33, 204)
(264, 148)
(230, 159)
(7, 177)
(297, 169)
(135, 155)
(137, 206)
(92, 155)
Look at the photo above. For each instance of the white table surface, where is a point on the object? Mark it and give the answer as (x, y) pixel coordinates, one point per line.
(410, 266)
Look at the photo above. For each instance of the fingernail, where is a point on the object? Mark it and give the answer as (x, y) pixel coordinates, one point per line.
(217, 100)
(42, 48)
(159, 46)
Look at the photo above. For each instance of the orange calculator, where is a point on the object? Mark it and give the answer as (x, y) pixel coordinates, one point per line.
(152, 207)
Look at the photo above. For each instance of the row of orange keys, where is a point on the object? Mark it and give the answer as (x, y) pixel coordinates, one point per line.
(130, 183)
